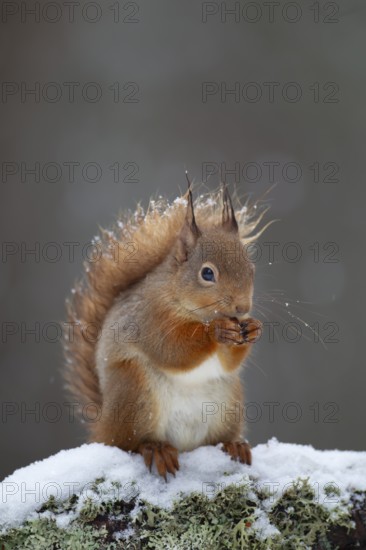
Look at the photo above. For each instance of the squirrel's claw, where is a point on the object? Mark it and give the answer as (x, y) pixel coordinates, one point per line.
(160, 463)
(164, 455)
(239, 450)
(171, 462)
(146, 450)
(251, 330)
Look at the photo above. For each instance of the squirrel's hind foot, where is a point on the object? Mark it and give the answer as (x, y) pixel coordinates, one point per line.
(238, 450)
(163, 455)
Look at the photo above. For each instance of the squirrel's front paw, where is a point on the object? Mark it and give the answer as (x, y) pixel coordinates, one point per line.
(231, 331)
(251, 330)
(227, 331)
(164, 456)
(239, 450)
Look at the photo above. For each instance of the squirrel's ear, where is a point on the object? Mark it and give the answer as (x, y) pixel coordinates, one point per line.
(189, 233)
(229, 222)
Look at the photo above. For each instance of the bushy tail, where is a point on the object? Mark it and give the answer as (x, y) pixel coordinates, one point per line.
(137, 243)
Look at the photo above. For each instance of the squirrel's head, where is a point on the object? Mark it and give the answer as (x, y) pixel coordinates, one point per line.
(212, 273)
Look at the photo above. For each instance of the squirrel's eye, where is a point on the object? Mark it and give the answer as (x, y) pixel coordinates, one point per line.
(207, 274)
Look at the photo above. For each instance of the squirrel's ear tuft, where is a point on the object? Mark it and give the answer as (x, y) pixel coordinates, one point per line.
(229, 222)
(190, 232)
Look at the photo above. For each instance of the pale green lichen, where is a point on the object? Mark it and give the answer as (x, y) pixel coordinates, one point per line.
(301, 519)
(43, 534)
(226, 521)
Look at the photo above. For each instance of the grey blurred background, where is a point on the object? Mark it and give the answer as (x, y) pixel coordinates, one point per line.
(172, 61)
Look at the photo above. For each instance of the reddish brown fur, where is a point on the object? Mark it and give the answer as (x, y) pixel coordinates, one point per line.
(170, 339)
(110, 275)
(126, 415)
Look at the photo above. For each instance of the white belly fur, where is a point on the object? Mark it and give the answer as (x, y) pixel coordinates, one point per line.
(187, 401)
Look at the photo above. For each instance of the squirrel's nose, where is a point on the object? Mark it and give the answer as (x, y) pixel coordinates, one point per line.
(242, 309)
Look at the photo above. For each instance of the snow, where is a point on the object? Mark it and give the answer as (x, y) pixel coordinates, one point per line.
(206, 469)
(263, 527)
(180, 200)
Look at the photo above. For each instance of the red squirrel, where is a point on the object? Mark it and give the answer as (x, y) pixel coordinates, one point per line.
(162, 328)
